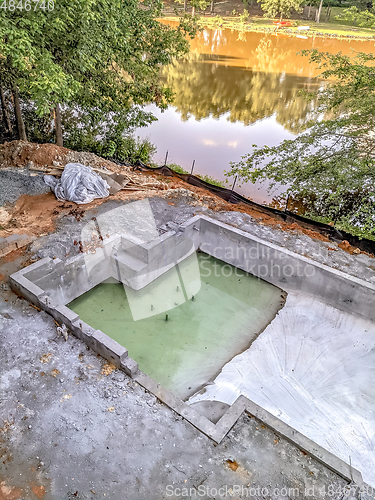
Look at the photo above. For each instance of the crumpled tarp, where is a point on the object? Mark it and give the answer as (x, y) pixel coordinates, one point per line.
(78, 183)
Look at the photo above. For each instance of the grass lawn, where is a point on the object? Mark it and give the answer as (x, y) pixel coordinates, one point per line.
(334, 27)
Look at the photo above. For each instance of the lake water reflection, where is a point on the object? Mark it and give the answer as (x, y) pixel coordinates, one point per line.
(234, 90)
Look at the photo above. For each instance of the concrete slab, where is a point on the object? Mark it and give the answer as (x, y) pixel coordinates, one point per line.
(357, 266)
(68, 431)
(313, 367)
(303, 408)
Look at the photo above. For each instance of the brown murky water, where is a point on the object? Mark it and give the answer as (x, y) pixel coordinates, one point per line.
(234, 90)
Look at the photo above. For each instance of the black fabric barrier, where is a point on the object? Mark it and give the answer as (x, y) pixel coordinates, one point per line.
(289, 217)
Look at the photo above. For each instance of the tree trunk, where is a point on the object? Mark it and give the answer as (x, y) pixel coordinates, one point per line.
(212, 6)
(185, 5)
(193, 11)
(58, 126)
(17, 108)
(319, 12)
(8, 125)
(309, 14)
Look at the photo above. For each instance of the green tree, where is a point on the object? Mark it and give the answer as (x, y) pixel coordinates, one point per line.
(282, 8)
(100, 56)
(196, 4)
(360, 17)
(332, 164)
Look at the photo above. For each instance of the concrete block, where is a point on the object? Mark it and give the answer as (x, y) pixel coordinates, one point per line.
(108, 348)
(83, 331)
(47, 303)
(32, 267)
(129, 366)
(27, 289)
(13, 238)
(65, 315)
(9, 248)
(3, 243)
(24, 240)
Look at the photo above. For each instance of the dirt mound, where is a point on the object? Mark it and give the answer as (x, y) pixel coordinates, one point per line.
(20, 154)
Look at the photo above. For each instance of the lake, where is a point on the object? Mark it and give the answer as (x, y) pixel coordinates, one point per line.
(233, 90)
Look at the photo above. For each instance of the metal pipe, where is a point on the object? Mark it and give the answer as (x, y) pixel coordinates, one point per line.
(192, 167)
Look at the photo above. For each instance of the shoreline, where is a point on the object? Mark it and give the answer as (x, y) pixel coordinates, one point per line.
(229, 22)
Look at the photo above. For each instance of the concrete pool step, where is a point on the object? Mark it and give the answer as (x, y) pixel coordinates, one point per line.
(130, 261)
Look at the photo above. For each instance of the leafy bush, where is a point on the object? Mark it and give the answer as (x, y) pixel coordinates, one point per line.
(124, 148)
(177, 168)
(206, 178)
(217, 20)
(211, 180)
(108, 136)
(244, 16)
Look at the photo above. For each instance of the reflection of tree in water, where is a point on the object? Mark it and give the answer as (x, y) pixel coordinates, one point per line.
(211, 85)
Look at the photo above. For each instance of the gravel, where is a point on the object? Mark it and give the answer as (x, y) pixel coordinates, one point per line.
(14, 183)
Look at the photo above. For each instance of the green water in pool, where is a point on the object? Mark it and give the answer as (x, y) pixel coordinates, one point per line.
(187, 324)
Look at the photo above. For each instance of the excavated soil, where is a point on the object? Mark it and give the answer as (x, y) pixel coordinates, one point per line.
(37, 215)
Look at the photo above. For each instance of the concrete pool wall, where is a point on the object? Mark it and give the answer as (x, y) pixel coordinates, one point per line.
(290, 271)
(51, 284)
(140, 263)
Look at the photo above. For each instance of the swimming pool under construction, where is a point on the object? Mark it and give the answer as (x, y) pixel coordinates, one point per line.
(215, 322)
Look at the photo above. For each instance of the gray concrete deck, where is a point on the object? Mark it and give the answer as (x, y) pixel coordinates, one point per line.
(133, 425)
(69, 431)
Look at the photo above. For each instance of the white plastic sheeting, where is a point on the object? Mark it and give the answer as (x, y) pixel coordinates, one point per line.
(78, 183)
(314, 368)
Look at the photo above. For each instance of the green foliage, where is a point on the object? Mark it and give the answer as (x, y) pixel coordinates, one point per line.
(103, 56)
(364, 18)
(104, 137)
(207, 178)
(38, 126)
(282, 8)
(199, 5)
(217, 21)
(332, 164)
(125, 148)
(244, 16)
(177, 168)
(211, 180)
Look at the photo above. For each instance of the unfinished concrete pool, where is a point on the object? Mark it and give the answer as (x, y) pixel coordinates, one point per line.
(305, 366)
(209, 320)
